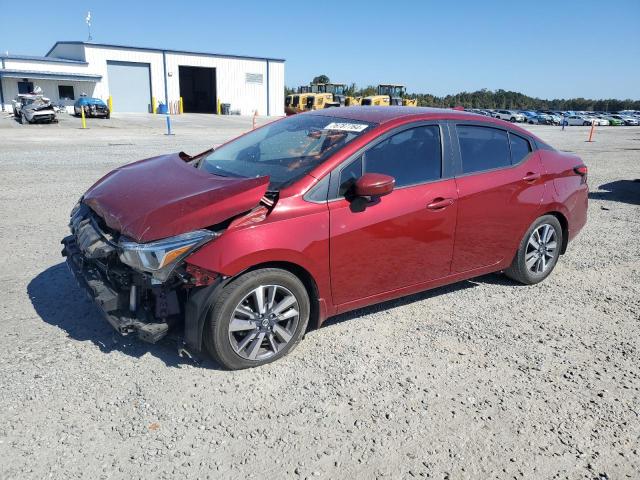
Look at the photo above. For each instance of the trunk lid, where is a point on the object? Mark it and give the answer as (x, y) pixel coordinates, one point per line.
(165, 196)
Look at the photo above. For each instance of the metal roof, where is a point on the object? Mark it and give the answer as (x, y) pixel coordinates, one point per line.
(77, 77)
(163, 50)
(34, 58)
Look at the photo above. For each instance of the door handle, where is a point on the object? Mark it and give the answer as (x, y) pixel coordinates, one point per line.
(531, 177)
(440, 203)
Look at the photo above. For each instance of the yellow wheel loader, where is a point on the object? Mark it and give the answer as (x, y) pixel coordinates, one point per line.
(296, 103)
(317, 101)
(390, 94)
(339, 92)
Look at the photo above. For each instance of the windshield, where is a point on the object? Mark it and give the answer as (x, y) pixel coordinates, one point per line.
(285, 150)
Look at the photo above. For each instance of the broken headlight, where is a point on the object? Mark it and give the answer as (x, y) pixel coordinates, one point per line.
(160, 257)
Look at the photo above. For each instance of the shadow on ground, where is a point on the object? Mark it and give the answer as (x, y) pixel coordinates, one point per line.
(492, 278)
(60, 302)
(625, 191)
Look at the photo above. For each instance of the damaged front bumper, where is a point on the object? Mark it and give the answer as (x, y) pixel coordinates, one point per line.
(131, 301)
(135, 302)
(118, 306)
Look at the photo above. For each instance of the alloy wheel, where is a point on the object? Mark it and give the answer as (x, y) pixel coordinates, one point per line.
(542, 249)
(264, 322)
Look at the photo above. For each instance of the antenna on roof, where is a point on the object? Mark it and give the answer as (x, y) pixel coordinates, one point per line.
(88, 21)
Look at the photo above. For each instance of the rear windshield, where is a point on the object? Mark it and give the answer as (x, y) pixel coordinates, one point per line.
(285, 150)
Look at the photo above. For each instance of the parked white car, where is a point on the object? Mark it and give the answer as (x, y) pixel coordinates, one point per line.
(579, 120)
(510, 116)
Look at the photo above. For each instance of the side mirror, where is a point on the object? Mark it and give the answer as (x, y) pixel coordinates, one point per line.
(374, 185)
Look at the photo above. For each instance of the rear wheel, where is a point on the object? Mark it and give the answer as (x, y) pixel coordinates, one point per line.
(585, 124)
(538, 251)
(259, 317)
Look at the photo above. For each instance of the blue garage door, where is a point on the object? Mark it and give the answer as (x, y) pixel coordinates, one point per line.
(130, 86)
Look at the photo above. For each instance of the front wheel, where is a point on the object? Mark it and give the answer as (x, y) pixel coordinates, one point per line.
(538, 251)
(513, 119)
(259, 317)
(24, 120)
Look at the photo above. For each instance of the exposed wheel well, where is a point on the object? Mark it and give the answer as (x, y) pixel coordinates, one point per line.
(308, 282)
(565, 229)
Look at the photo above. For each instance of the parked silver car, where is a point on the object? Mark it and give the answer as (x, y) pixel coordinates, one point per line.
(33, 108)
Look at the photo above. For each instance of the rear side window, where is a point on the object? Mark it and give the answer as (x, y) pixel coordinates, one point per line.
(483, 148)
(520, 148)
(411, 157)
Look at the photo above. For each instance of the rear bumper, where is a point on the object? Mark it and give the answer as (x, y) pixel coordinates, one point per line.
(114, 304)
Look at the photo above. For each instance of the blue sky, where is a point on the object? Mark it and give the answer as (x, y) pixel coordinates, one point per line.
(549, 49)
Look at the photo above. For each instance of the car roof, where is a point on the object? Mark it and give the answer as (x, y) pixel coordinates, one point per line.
(382, 115)
(387, 114)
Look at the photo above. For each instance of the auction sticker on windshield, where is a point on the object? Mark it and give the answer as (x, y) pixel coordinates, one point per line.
(346, 127)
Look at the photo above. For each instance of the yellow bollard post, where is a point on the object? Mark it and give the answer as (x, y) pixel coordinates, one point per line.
(84, 121)
(154, 105)
(218, 109)
(181, 106)
(110, 103)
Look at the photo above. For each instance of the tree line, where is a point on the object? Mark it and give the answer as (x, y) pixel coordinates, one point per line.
(498, 99)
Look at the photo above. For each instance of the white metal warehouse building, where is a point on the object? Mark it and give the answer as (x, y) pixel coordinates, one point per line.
(136, 77)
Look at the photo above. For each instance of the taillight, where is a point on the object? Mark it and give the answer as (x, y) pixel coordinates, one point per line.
(581, 170)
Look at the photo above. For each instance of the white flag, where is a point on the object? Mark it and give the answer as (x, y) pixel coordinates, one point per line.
(88, 19)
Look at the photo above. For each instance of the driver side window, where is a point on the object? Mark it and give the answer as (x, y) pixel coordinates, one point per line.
(412, 157)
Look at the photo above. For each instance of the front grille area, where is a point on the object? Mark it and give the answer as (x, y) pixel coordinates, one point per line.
(91, 240)
(128, 299)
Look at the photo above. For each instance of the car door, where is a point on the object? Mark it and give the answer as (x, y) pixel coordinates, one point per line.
(403, 238)
(499, 194)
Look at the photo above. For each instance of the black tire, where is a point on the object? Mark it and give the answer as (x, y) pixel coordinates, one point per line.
(585, 124)
(518, 270)
(512, 119)
(24, 120)
(216, 335)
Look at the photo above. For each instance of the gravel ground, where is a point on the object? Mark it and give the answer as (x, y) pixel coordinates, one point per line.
(481, 379)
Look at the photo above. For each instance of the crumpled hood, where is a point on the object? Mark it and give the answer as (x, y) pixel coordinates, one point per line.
(165, 196)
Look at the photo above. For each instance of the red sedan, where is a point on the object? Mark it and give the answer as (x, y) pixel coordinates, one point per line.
(245, 247)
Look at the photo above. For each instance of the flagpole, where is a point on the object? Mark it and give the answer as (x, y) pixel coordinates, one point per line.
(88, 20)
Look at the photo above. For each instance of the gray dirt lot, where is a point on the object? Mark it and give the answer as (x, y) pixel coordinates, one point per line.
(481, 379)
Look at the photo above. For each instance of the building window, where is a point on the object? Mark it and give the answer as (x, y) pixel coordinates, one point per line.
(65, 92)
(25, 87)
